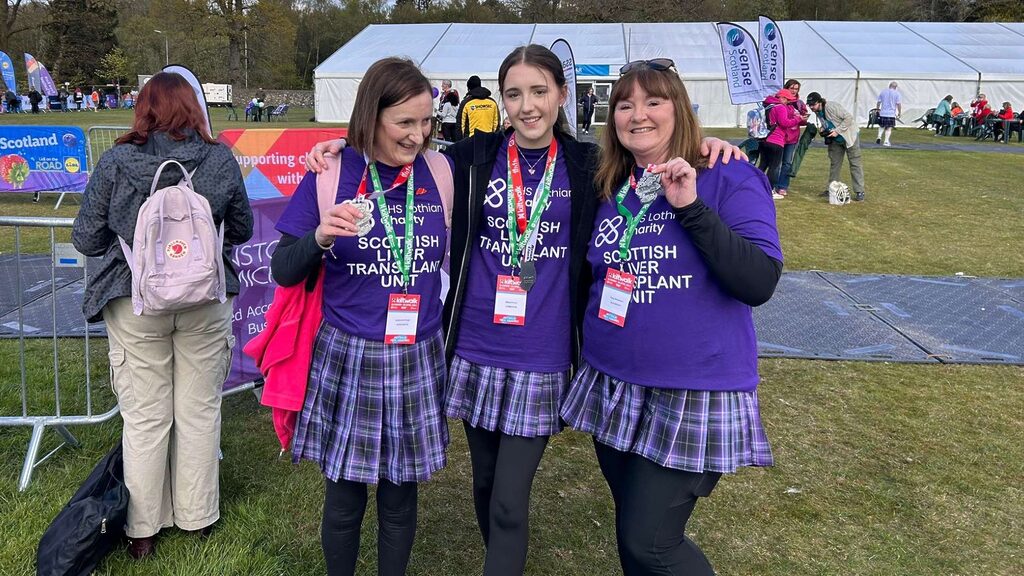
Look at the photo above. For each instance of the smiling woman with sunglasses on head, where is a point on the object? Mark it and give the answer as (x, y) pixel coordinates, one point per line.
(667, 386)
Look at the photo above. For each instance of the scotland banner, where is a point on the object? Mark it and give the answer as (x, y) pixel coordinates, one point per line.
(772, 54)
(562, 49)
(742, 65)
(49, 88)
(32, 65)
(42, 159)
(7, 69)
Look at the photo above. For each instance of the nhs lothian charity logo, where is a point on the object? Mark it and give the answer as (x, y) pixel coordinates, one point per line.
(769, 32)
(608, 232)
(734, 37)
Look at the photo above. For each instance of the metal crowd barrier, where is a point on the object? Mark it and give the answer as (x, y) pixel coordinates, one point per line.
(61, 256)
(98, 140)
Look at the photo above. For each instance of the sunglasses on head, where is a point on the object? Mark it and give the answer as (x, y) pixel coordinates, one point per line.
(659, 64)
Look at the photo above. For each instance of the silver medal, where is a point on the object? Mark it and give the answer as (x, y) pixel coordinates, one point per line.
(528, 275)
(364, 224)
(649, 187)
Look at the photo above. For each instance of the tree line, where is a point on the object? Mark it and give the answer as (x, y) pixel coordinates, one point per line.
(278, 43)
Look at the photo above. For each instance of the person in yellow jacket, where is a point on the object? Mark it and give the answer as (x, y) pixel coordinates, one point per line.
(478, 112)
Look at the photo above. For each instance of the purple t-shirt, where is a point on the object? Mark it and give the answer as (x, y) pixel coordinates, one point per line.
(543, 344)
(359, 281)
(681, 329)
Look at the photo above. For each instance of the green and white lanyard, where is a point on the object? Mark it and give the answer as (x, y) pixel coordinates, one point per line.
(403, 255)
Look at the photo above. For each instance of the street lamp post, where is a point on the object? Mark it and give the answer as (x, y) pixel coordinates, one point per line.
(167, 51)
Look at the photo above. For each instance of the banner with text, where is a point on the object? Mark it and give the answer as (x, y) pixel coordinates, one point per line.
(49, 88)
(272, 164)
(563, 51)
(42, 159)
(33, 72)
(742, 66)
(772, 54)
(7, 71)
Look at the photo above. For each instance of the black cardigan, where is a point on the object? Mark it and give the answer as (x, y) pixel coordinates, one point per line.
(474, 162)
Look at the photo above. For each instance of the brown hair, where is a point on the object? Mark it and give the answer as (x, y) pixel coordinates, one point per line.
(616, 160)
(539, 57)
(168, 104)
(388, 82)
(792, 82)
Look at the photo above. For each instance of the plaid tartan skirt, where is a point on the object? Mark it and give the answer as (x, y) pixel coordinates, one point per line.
(887, 121)
(513, 402)
(691, 430)
(374, 410)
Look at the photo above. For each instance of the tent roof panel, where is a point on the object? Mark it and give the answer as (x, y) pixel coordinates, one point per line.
(692, 45)
(378, 41)
(490, 44)
(807, 55)
(884, 49)
(987, 47)
(591, 43)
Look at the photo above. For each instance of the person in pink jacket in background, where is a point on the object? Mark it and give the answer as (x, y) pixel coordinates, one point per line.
(785, 129)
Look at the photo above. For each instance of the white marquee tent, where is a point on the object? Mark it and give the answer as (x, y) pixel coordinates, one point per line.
(849, 62)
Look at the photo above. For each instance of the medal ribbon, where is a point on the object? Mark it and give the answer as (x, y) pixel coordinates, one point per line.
(402, 256)
(631, 221)
(403, 176)
(519, 229)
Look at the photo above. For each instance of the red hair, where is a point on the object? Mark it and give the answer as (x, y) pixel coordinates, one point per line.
(168, 104)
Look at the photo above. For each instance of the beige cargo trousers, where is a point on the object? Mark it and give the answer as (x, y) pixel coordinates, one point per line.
(168, 373)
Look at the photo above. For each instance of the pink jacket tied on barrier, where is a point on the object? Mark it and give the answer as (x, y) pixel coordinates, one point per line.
(283, 351)
(784, 119)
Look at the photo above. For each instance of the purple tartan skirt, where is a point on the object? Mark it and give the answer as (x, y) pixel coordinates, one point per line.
(690, 430)
(887, 121)
(513, 402)
(374, 410)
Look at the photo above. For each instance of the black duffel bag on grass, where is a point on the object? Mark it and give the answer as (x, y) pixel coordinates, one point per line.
(90, 525)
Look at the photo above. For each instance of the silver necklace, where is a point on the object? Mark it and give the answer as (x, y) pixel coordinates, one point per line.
(531, 168)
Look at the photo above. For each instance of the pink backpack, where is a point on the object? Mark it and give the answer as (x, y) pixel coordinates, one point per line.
(177, 262)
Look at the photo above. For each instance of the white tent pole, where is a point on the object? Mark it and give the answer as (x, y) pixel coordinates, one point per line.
(439, 38)
(627, 37)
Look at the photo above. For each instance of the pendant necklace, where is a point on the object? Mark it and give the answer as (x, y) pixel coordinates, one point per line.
(531, 168)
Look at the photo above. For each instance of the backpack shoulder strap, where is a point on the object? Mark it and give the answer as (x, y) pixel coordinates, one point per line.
(327, 183)
(442, 174)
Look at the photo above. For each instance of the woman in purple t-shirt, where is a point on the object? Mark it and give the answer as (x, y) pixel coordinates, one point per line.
(679, 254)
(373, 408)
(519, 285)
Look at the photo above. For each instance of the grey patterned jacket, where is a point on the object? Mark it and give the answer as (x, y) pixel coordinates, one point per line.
(120, 184)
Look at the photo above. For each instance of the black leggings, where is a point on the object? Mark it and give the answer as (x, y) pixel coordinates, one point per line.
(344, 506)
(652, 506)
(503, 470)
(771, 161)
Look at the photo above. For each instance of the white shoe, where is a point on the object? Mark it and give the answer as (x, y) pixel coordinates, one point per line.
(886, 144)
(777, 196)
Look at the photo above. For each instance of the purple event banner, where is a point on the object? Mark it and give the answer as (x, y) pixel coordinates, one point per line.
(252, 261)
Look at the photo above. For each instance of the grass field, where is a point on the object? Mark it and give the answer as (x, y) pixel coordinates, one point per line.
(882, 469)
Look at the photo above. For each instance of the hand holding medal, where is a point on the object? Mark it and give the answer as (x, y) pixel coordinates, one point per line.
(679, 180)
(339, 220)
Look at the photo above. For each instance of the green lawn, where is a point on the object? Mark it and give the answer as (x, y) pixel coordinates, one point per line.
(881, 468)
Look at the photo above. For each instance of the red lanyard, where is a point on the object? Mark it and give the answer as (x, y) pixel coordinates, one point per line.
(518, 192)
(403, 176)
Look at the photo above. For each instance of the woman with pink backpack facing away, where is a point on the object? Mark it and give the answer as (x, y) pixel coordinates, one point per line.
(784, 124)
(168, 363)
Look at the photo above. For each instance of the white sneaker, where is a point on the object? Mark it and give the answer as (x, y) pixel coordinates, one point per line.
(777, 196)
(886, 144)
